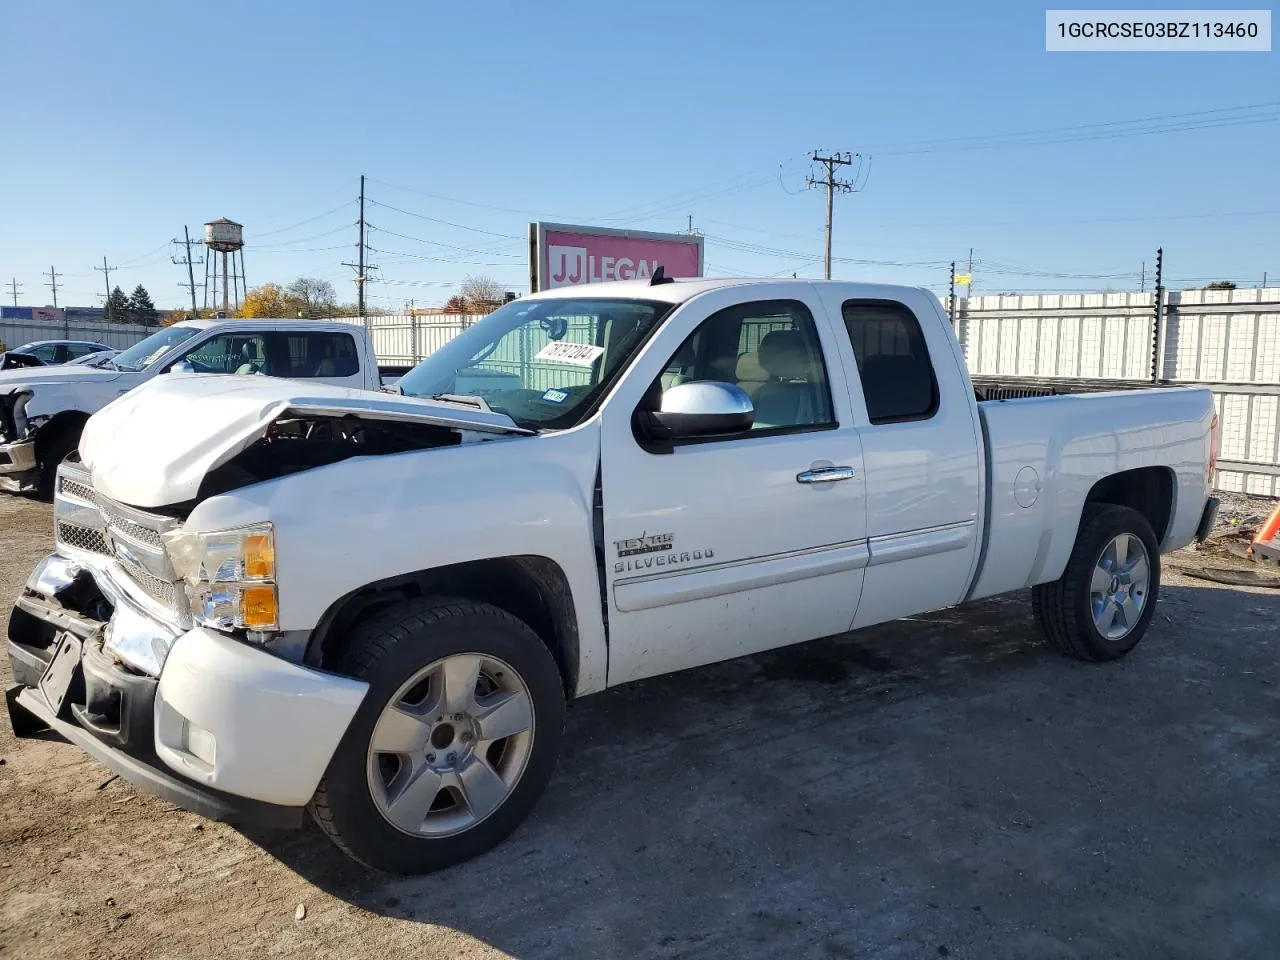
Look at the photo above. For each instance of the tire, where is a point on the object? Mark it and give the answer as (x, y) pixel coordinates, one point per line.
(1065, 609)
(51, 456)
(364, 788)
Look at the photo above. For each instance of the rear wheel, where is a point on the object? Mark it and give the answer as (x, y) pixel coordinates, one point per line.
(1101, 606)
(454, 742)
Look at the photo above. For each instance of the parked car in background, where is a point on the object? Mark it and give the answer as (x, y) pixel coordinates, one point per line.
(43, 409)
(97, 359)
(48, 353)
(274, 596)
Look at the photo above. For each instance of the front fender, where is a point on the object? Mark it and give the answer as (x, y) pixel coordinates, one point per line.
(368, 519)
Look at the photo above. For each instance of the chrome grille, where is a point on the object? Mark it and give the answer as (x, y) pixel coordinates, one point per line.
(159, 590)
(74, 488)
(83, 538)
(88, 521)
(125, 527)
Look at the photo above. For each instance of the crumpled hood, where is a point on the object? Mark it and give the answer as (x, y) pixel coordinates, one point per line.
(21, 377)
(154, 445)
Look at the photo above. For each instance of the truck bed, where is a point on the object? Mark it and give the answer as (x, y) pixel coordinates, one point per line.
(1015, 388)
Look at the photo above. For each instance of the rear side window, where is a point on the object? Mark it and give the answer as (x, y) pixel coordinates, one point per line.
(893, 362)
(306, 355)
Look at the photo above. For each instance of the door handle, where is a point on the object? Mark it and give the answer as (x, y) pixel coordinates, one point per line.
(825, 475)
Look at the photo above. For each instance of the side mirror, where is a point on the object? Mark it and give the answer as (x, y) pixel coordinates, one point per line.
(707, 408)
(182, 367)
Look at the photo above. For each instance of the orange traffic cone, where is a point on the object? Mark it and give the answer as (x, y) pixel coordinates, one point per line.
(1266, 545)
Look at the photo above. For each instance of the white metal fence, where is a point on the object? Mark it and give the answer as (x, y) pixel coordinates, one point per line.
(1228, 340)
(404, 340)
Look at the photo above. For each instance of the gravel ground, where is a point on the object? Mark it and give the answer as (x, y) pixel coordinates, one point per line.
(940, 786)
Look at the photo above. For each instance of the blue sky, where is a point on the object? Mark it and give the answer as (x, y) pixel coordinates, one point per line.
(125, 121)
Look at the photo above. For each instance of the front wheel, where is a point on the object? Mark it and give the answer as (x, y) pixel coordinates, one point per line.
(51, 457)
(1102, 604)
(454, 742)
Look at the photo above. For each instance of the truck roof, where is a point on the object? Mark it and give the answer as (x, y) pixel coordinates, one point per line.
(262, 323)
(678, 290)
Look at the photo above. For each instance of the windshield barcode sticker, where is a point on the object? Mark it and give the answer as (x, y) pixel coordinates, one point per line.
(578, 354)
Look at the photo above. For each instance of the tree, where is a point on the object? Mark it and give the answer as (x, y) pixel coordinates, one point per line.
(268, 300)
(481, 293)
(141, 309)
(457, 304)
(1221, 285)
(117, 308)
(311, 297)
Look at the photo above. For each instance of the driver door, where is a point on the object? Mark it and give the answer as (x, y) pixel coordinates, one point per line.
(724, 547)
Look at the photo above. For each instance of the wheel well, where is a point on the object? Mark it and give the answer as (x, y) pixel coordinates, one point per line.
(530, 588)
(1149, 490)
(61, 424)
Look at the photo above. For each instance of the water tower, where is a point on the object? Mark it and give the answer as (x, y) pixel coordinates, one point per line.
(227, 238)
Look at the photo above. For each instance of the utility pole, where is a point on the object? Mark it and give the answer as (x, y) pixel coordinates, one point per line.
(191, 278)
(969, 274)
(14, 285)
(361, 268)
(1142, 278)
(53, 284)
(106, 277)
(1155, 325)
(832, 185)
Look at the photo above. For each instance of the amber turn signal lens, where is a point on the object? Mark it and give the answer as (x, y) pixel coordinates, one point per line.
(258, 607)
(259, 556)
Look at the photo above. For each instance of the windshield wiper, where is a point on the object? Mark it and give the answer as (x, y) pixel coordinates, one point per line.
(463, 399)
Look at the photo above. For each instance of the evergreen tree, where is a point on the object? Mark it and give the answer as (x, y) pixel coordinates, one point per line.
(141, 309)
(118, 308)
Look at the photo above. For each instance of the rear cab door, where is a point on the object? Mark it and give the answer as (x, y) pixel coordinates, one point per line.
(718, 548)
(921, 445)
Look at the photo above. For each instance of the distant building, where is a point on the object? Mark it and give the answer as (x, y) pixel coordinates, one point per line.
(54, 314)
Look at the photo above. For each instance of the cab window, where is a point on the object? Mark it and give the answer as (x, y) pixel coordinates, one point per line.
(768, 348)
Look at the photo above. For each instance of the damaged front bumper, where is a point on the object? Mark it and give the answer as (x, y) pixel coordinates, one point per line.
(225, 729)
(19, 469)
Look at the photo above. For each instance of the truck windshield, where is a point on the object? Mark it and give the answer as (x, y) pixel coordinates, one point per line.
(145, 352)
(541, 362)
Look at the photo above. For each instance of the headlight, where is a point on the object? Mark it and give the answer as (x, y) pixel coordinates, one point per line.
(229, 576)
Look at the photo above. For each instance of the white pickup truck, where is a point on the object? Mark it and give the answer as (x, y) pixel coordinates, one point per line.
(269, 596)
(44, 408)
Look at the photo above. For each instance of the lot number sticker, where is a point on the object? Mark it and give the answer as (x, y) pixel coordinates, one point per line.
(578, 354)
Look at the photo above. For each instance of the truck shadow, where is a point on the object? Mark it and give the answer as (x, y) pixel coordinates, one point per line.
(754, 807)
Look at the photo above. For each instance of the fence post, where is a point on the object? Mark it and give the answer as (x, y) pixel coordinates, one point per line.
(413, 326)
(1156, 332)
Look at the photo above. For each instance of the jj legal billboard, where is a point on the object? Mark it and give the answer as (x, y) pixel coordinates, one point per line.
(563, 255)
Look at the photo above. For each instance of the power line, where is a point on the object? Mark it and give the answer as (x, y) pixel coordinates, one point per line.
(1075, 127)
(285, 244)
(465, 203)
(303, 223)
(447, 223)
(425, 259)
(438, 243)
(133, 262)
(998, 142)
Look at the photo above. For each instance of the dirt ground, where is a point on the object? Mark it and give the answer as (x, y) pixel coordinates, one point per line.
(942, 786)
